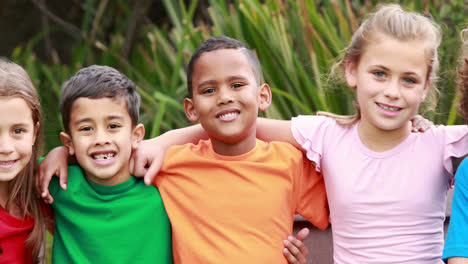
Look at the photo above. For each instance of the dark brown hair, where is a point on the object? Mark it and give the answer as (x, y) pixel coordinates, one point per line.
(98, 82)
(217, 43)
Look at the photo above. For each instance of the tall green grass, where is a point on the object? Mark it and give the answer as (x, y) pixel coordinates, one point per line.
(296, 42)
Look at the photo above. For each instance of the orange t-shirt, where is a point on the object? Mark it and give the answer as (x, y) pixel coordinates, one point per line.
(238, 209)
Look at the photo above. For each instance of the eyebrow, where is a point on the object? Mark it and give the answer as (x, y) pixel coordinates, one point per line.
(230, 78)
(20, 125)
(87, 119)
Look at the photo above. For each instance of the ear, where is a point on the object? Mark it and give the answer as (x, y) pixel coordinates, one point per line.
(36, 130)
(137, 135)
(67, 141)
(351, 73)
(264, 97)
(190, 111)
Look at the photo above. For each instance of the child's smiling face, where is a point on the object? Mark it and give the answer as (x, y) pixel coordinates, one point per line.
(226, 99)
(391, 79)
(17, 136)
(102, 138)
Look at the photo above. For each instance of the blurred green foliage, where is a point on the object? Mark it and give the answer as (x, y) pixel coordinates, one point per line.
(297, 42)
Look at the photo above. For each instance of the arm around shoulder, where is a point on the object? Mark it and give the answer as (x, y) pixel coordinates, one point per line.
(147, 159)
(276, 130)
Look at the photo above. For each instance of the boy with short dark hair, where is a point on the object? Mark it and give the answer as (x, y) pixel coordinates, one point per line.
(232, 198)
(96, 220)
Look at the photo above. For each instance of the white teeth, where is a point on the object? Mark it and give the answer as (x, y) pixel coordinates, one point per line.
(388, 108)
(228, 115)
(7, 162)
(103, 156)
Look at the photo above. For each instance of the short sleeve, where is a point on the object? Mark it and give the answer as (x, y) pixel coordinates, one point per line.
(309, 132)
(456, 144)
(312, 203)
(456, 243)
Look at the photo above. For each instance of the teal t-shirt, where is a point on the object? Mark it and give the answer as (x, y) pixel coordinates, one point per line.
(124, 223)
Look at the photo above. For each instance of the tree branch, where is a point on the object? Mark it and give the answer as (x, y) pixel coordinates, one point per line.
(70, 28)
(140, 8)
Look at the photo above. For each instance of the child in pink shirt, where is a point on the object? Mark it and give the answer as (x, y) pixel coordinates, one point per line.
(386, 186)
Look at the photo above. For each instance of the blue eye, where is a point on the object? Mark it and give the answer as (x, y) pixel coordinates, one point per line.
(409, 80)
(380, 74)
(236, 85)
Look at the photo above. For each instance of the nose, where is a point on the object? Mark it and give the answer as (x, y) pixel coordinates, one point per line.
(225, 96)
(101, 137)
(6, 146)
(392, 89)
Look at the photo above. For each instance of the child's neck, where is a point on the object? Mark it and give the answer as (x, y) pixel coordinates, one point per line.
(380, 140)
(234, 148)
(120, 177)
(4, 196)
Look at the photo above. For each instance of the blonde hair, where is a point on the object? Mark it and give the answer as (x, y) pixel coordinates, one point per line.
(392, 21)
(15, 82)
(463, 76)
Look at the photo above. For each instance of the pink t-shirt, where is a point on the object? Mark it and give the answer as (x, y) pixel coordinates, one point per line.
(385, 207)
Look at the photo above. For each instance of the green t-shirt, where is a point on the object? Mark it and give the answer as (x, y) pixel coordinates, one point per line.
(124, 223)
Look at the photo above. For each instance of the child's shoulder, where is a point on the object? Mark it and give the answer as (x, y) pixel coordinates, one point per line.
(318, 123)
(75, 177)
(277, 146)
(278, 149)
(200, 146)
(445, 133)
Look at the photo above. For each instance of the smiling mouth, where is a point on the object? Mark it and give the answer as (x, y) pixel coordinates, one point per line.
(228, 115)
(389, 108)
(7, 162)
(103, 156)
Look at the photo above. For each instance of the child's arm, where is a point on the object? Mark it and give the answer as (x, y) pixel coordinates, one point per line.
(276, 130)
(147, 159)
(54, 163)
(294, 248)
(457, 260)
(280, 130)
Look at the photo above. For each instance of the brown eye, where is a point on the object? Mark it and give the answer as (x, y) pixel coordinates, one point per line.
(208, 91)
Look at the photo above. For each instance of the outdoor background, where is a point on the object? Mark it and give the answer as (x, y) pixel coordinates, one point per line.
(151, 41)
